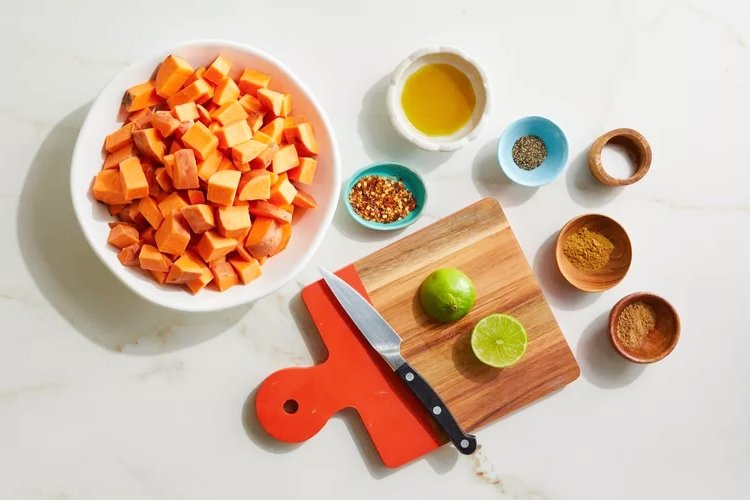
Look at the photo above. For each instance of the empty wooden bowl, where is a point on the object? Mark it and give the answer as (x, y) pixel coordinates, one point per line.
(619, 260)
(637, 148)
(660, 341)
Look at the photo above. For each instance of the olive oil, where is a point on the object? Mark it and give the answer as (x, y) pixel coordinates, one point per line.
(438, 99)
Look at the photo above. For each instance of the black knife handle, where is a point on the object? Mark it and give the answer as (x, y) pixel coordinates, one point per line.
(464, 443)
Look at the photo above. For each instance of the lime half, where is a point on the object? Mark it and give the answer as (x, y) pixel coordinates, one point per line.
(447, 294)
(499, 340)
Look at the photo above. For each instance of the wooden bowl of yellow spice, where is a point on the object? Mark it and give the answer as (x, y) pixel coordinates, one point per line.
(593, 252)
(644, 327)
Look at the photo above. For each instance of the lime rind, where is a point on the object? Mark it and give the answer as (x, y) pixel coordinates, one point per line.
(499, 340)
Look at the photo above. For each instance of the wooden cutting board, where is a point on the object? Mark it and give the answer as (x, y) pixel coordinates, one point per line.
(293, 404)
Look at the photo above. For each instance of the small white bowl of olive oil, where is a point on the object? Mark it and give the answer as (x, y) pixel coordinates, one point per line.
(438, 99)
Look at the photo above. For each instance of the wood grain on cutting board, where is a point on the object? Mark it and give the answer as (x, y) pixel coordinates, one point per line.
(479, 241)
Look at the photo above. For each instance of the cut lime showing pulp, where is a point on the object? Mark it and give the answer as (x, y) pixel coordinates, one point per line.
(499, 340)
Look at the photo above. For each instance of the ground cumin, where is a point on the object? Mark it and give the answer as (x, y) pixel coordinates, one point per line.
(634, 323)
(587, 250)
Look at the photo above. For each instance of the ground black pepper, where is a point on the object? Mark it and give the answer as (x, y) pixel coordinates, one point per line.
(381, 199)
(529, 152)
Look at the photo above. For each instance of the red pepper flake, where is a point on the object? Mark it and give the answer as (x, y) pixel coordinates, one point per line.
(381, 199)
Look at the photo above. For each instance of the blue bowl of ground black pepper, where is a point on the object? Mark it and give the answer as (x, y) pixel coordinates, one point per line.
(392, 171)
(553, 160)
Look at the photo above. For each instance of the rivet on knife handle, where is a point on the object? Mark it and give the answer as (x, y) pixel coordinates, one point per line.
(464, 443)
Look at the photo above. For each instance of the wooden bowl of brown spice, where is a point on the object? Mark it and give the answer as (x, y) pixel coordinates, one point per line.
(644, 327)
(593, 252)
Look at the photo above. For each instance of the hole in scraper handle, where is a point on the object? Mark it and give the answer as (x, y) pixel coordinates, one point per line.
(290, 406)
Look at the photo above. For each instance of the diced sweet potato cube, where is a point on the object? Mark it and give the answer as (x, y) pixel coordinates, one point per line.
(212, 246)
(286, 235)
(305, 172)
(174, 146)
(151, 259)
(204, 279)
(265, 159)
(119, 138)
(233, 222)
(195, 75)
(187, 112)
(274, 129)
(163, 179)
(303, 138)
(138, 96)
(285, 159)
(185, 175)
(132, 179)
(169, 166)
(194, 92)
(226, 91)
(264, 237)
(134, 214)
(251, 81)
(196, 197)
(186, 268)
(229, 112)
(149, 143)
(172, 237)
(203, 115)
(242, 167)
(304, 199)
(173, 202)
(224, 276)
(159, 277)
(234, 133)
(247, 271)
(200, 140)
(113, 159)
(128, 256)
(200, 217)
(123, 235)
(165, 123)
(141, 118)
(148, 236)
(248, 150)
(114, 210)
(283, 192)
(218, 70)
(286, 105)
(271, 100)
(265, 209)
(182, 129)
(261, 136)
(222, 186)
(251, 105)
(255, 121)
(207, 167)
(172, 74)
(255, 185)
(150, 211)
(243, 253)
(287, 208)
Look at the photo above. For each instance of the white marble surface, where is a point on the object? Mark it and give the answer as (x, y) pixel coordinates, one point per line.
(105, 396)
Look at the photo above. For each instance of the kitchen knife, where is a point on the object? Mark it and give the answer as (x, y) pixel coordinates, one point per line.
(386, 341)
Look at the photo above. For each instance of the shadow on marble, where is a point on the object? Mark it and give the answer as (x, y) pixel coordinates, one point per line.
(73, 280)
(352, 230)
(599, 362)
(257, 433)
(381, 141)
(557, 290)
(582, 186)
(490, 180)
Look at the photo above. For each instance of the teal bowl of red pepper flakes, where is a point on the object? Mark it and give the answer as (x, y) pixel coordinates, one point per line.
(385, 196)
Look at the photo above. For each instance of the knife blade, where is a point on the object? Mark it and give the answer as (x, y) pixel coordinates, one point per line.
(384, 339)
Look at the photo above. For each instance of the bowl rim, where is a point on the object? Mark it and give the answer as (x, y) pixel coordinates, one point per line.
(229, 302)
(559, 241)
(399, 121)
(628, 299)
(379, 226)
(524, 182)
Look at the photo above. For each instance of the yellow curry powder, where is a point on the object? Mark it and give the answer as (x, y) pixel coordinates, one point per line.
(635, 323)
(587, 250)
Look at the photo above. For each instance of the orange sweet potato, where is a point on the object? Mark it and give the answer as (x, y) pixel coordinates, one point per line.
(200, 217)
(185, 269)
(163, 179)
(251, 105)
(207, 167)
(185, 175)
(203, 115)
(165, 123)
(138, 96)
(141, 118)
(286, 105)
(200, 140)
(271, 100)
(187, 112)
(151, 259)
(233, 222)
(285, 159)
(304, 199)
(229, 112)
(119, 138)
(226, 91)
(283, 192)
(113, 159)
(251, 81)
(224, 275)
(265, 209)
(123, 235)
(222, 186)
(255, 185)
(196, 197)
(128, 256)
(274, 129)
(218, 70)
(247, 271)
(247, 151)
(264, 237)
(149, 143)
(303, 138)
(172, 237)
(212, 246)
(132, 179)
(173, 202)
(148, 236)
(204, 279)
(172, 74)
(305, 172)
(107, 188)
(150, 211)
(233, 134)
(286, 235)
(194, 92)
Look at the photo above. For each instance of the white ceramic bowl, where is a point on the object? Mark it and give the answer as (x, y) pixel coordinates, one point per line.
(439, 55)
(308, 230)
